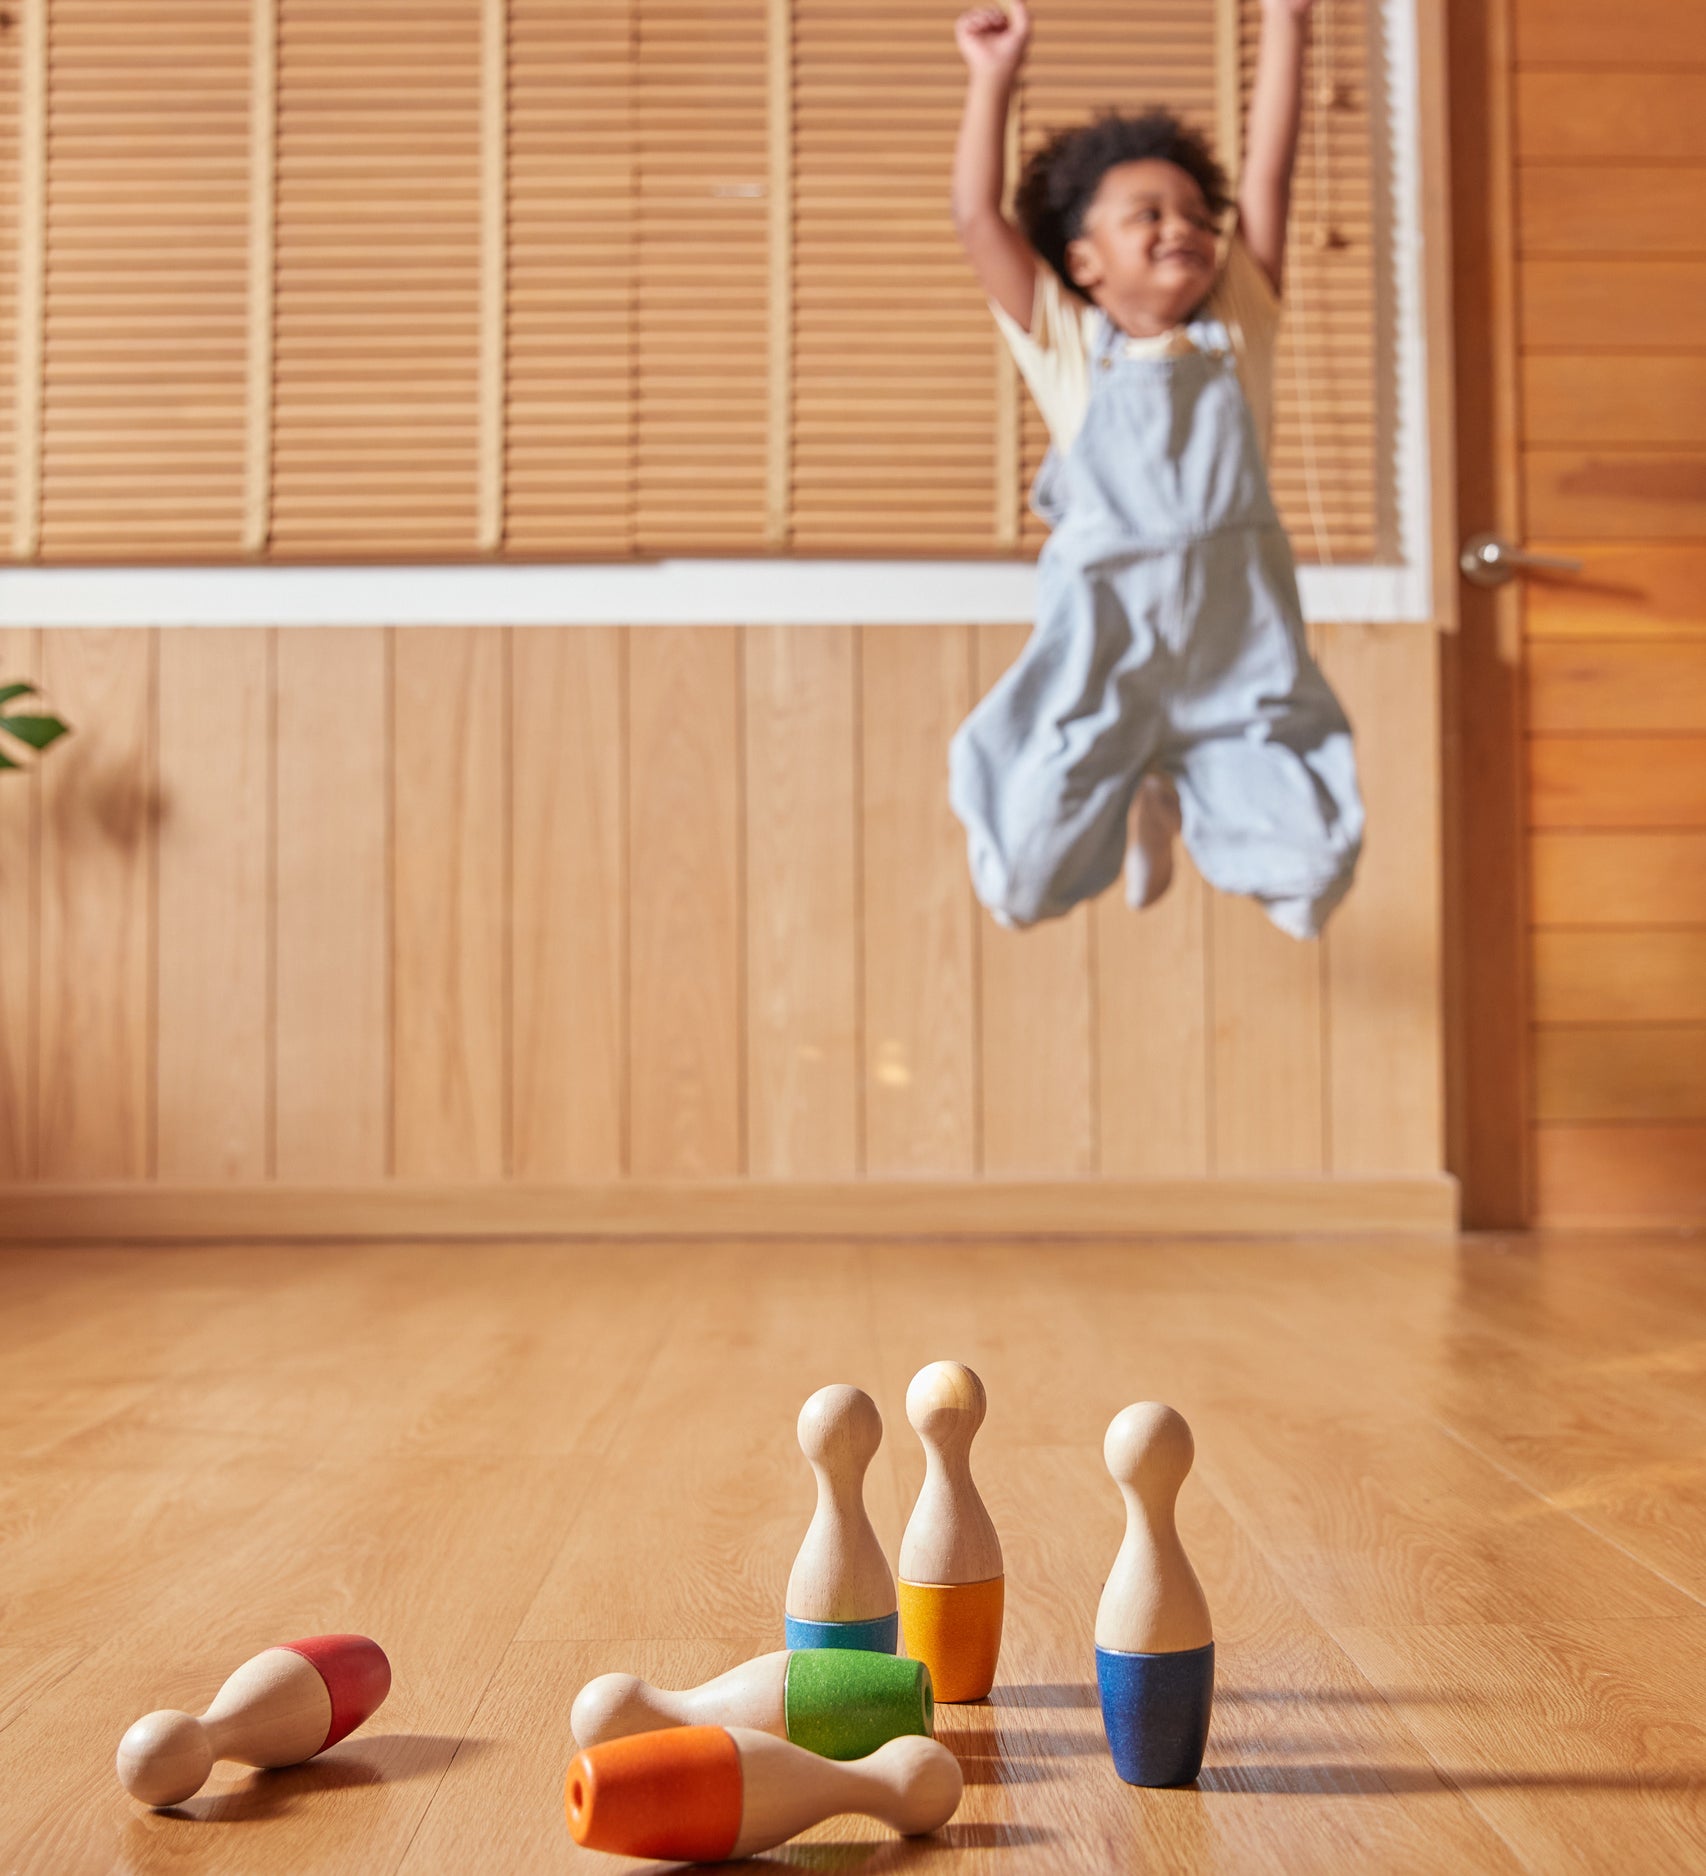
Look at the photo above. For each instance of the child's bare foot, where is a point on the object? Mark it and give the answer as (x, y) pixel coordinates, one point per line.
(1151, 827)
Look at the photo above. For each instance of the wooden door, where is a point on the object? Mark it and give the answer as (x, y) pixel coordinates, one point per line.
(1578, 703)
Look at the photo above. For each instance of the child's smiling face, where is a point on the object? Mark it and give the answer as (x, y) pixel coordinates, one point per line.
(1146, 254)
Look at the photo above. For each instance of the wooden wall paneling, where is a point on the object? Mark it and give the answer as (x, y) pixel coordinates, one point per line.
(1559, 205)
(1616, 462)
(213, 954)
(1624, 1174)
(571, 360)
(20, 905)
(1604, 398)
(920, 943)
(145, 390)
(1648, 589)
(450, 1073)
(702, 272)
(1621, 878)
(332, 905)
(569, 928)
(1151, 1030)
(1620, 1072)
(1384, 1065)
(95, 1068)
(1615, 305)
(1656, 33)
(1620, 976)
(376, 390)
(1266, 1060)
(802, 901)
(1035, 1016)
(685, 870)
(1616, 494)
(1644, 685)
(1617, 781)
(1602, 113)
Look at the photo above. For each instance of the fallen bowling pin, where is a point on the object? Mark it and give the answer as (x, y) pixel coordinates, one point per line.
(840, 1593)
(951, 1584)
(839, 1702)
(1154, 1641)
(706, 1794)
(283, 1706)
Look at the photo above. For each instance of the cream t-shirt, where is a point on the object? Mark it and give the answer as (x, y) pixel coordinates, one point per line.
(1055, 355)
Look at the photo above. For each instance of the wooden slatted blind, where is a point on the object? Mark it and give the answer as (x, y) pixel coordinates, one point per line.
(570, 426)
(11, 92)
(1333, 490)
(702, 370)
(894, 421)
(436, 278)
(143, 376)
(376, 388)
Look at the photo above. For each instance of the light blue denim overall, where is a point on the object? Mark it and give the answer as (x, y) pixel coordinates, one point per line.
(1169, 637)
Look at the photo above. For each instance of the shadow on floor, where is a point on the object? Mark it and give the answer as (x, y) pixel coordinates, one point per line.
(270, 1794)
(1353, 1781)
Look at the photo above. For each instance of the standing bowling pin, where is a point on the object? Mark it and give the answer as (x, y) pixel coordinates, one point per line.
(1154, 1642)
(951, 1583)
(840, 1592)
(281, 1707)
(839, 1702)
(705, 1794)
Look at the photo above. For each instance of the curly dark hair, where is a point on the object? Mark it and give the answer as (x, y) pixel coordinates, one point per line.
(1061, 179)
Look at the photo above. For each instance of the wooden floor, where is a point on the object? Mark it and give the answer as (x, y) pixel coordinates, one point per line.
(1449, 1508)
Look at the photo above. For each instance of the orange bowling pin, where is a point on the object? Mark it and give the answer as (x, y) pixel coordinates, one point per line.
(952, 1587)
(708, 1794)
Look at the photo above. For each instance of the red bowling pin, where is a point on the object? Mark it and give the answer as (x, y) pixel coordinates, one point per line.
(280, 1708)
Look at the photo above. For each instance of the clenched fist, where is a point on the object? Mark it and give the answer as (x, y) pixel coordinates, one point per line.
(992, 41)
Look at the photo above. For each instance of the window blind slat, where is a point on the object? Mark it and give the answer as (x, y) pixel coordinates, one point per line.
(361, 187)
(144, 376)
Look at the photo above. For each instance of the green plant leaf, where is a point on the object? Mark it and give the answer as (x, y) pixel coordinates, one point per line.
(36, 732)
(9, 691)
(6, 761)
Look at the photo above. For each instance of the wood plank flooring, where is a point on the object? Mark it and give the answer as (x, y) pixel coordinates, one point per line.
(1448, 1508)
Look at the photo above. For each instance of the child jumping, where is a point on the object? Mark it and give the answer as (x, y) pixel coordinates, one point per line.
(1167, 685)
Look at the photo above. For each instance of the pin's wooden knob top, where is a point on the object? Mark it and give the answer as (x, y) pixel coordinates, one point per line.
(840, 1427)
(1149, 1448)
(946, 1403)
(165, 1757)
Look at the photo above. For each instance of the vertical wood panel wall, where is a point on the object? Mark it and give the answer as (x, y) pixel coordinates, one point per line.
(468, 905)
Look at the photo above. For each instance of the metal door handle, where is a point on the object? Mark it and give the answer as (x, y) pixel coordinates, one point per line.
(1488, 561)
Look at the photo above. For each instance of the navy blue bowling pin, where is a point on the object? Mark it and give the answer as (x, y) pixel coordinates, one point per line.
(1154, 1641)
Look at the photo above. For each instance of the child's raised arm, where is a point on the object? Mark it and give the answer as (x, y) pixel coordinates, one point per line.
(992, 43)
(1276, 108)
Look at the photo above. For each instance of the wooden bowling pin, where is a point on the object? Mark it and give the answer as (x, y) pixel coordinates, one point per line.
(840, 1592)
(951, 1583)
(1154, 1642)
(704, 1794)
(281, 1707)
(840, 1702)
